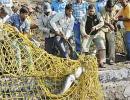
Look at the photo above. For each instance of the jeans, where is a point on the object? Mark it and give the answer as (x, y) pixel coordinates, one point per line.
(77, 34)
(127, 43)
(49, 45)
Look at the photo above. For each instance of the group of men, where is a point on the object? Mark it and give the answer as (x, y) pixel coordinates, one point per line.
(66, 23)
(77, 22)
(83, 24)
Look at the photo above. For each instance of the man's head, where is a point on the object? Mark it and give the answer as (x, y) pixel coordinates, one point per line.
(68, 10)
(15, 8)
(109, 6)
(3, 12)
(24, 11)
(31, 10)
(79, 1)
(91, 9)
(60, 0)
(47, 8)
(123, 2)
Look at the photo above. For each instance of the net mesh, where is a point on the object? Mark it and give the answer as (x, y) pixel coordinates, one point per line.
(30, 73)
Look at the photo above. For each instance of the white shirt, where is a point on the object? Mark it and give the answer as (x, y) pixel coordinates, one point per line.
(43, 23)
(61, 23)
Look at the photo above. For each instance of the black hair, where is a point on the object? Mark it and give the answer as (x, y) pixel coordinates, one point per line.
(68, 6)
(24, 10)
(91, 6)
(109, 3)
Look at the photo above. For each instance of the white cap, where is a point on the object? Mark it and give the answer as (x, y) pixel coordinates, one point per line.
(47, 7)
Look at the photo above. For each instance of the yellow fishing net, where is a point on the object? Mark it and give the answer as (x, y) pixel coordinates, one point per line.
(30, 73)
(120, 46)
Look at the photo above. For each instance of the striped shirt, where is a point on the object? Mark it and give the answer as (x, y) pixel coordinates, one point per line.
(79, 10)
(58, 6)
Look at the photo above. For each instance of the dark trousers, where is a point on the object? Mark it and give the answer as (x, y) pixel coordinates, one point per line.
(60, 44)
(53, 45)
(49, 45)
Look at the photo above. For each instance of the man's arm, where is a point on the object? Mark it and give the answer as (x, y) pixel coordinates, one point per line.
(119, 13)
(41, 25)
(55, 20)
(82, 26)
(101, 23)
(121, 17)
(124, 19)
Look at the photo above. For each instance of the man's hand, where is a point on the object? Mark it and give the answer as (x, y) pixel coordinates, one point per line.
(119, 18)
(16, 29)
(57, 33)
(93, 29)
(112, 27)
(63, 35)
(115, 18)
(85, 36)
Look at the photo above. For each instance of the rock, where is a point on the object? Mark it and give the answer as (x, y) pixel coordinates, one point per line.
(127, 91)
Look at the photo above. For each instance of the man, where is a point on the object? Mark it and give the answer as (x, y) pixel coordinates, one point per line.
(124, 15)
(108, 14)
(62, 24)
(19, 21)
(45, 28)
(90, 30)
(79, 10)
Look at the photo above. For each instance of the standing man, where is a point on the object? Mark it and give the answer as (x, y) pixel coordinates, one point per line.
(90, 30)
(108, 14)
(62, 24)
(79, 10)
(124, 15)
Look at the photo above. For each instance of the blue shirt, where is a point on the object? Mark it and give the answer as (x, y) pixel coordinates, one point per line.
(79, 10)
(100, 5)
(58, 6)
(22, 26)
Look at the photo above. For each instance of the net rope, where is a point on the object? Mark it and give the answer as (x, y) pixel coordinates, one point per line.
(30, 73)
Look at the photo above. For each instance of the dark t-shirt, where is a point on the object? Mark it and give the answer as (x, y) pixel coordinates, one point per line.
(91, 22)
